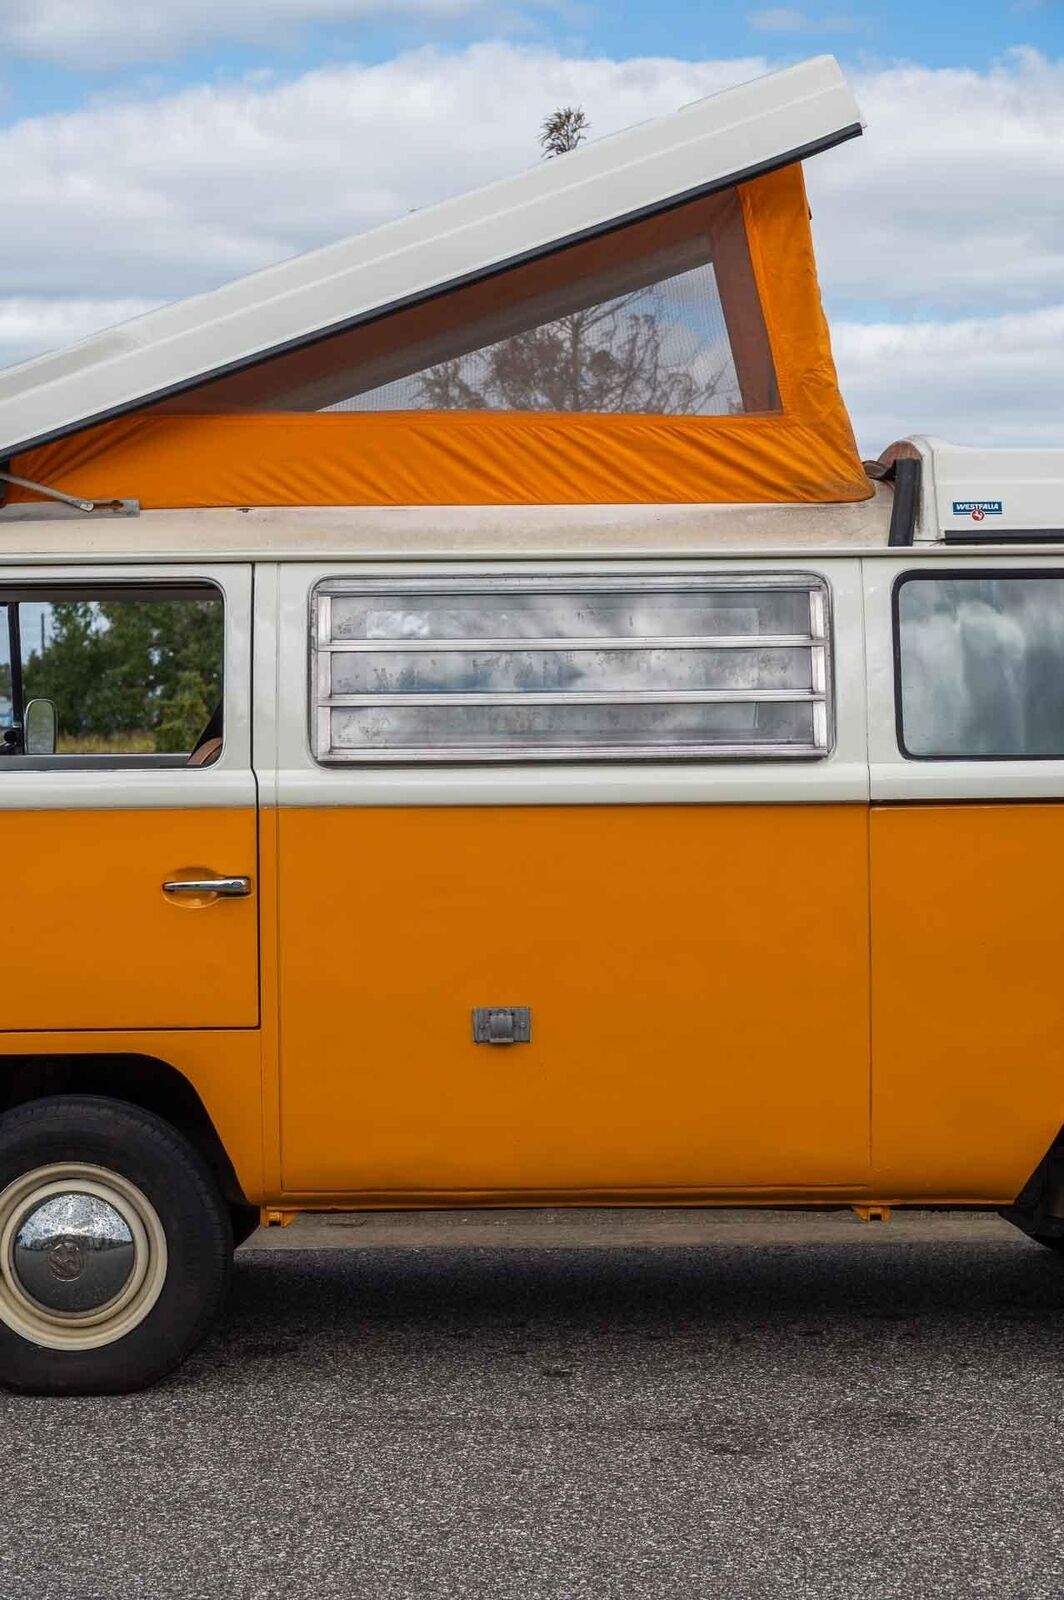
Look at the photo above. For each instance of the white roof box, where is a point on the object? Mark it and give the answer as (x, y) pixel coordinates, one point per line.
(985, 496)
(728, 138)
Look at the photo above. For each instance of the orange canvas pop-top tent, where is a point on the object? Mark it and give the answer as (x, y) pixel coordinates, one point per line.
(637, 322)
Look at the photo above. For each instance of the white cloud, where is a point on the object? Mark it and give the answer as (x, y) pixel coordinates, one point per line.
(107, 33)
(949, 204)
(162, 198)
(981, 380)
(787, 19)
(947, 208)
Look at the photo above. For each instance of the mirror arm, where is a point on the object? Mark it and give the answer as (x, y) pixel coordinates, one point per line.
(13, 736)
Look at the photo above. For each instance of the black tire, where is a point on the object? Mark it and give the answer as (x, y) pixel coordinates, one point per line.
(150, 1158)
(245, 1220)
(1048, 1241)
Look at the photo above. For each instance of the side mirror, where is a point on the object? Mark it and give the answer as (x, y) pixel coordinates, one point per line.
(40, 727)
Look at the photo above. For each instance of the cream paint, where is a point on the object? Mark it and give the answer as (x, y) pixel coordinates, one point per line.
(893, 778)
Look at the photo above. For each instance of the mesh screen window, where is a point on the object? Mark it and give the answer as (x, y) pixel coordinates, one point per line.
(661, 316)
(660, 348)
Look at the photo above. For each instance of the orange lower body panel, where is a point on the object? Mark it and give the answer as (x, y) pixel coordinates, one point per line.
(91, 940)
(97, 960)
(967, 997)
(697, 976)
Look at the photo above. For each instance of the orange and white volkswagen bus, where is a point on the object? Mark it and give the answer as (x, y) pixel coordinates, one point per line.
(411, 799)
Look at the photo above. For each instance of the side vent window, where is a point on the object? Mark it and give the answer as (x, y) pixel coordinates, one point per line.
(571, 669)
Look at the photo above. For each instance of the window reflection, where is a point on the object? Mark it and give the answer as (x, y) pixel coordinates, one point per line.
(530, 667)
(982, 666)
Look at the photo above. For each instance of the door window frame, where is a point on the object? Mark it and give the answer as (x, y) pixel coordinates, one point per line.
(14, 596)
(895, 777)
(132, 781)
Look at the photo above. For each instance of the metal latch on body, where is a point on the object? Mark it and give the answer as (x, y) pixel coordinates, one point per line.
(115, 508)
(502, 1025)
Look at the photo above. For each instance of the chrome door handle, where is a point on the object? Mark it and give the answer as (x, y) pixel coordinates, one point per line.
(228, 888)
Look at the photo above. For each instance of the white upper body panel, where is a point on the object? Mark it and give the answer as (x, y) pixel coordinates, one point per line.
(736, 135)
(32, 531)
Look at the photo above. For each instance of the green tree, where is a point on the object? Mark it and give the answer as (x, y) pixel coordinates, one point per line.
(563, 130)
(131, 669)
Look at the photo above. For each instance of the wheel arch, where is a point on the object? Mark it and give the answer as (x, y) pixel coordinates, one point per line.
(1038, 1209)
(141, 1080)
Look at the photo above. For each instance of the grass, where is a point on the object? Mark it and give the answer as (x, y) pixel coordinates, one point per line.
(130, 742)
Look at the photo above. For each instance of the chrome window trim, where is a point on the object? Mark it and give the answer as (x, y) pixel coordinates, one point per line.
(694, 641)
(818, 641)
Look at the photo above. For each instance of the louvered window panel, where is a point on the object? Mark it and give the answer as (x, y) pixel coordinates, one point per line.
(539, 668)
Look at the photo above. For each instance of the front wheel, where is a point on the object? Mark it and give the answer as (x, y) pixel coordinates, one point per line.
(115, 1247)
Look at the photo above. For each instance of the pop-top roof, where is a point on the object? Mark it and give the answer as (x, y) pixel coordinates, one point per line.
(730, 138)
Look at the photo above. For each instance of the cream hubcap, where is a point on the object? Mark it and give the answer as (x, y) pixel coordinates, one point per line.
(82, 1256)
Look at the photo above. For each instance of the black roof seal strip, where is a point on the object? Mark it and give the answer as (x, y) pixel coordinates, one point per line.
(1004, 535)
(906, 475)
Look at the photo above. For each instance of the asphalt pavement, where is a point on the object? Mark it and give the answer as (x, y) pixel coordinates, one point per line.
(539, 1407)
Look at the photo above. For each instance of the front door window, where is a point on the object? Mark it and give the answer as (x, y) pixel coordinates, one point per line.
(133, 674)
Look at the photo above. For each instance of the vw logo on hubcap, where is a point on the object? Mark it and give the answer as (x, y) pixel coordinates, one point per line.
(66, 1260)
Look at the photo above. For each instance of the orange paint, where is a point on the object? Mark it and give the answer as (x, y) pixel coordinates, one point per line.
(697, 977)
(967, 997)
(223, 1066)
(91, 941)
(269, 941)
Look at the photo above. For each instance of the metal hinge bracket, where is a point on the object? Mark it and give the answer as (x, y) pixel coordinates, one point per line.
(114, 508)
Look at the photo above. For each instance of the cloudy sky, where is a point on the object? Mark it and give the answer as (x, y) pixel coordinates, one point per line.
(150, 149)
